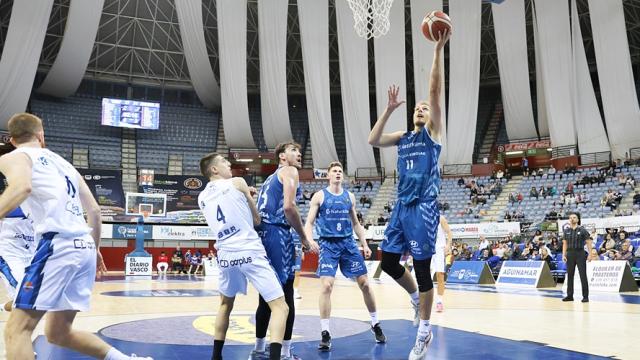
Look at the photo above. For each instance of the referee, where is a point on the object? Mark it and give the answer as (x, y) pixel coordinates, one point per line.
(573, 241)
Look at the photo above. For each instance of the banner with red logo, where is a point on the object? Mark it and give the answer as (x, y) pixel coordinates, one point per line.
(182, 191)
(524, 146)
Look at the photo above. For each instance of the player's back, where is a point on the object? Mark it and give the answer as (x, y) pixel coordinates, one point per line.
(16, 234)
(229, 217)
(271, 200)
(418, 167)
(54, 202)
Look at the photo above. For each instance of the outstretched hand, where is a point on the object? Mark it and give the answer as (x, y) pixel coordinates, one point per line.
(394, 103)
(443, 37)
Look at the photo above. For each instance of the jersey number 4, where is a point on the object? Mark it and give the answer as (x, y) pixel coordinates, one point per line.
(220, 216)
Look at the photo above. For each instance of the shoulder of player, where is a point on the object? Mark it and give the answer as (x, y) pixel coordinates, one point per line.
(238, 182)
(12, 157)
(288, 170)
(318, 197)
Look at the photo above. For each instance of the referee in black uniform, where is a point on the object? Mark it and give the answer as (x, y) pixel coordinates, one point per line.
(573, 241)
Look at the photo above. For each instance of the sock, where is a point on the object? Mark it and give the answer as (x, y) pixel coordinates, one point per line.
(374, 318)
(217, 349)
(324, 324)
(286, 348)
(437, 298)
(423, 329)
(275, 350)
(115, 354)
(261, 345)
(415, 297)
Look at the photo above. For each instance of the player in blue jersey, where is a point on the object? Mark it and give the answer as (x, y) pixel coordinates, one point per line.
(335, 211)
(414, 221)
(279, 213)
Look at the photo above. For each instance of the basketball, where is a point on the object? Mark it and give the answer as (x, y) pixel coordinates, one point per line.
(435, 22)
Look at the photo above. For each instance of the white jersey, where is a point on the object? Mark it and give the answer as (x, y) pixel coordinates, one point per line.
(229, 217)
(16, 237)
(54, 202)
(441, 239)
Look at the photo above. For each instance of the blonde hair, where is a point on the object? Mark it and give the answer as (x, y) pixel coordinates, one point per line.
(23, 127)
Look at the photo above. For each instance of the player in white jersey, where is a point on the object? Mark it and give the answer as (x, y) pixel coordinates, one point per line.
(16, 250)
(443, 248)
(60, 277)
(228, 206)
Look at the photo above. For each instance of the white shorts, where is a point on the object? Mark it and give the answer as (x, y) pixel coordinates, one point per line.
(438, 260)
(162, 265)
(12, 271)
(60, 276)
(239, 266)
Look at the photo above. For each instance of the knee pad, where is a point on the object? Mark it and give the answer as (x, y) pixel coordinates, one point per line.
(390, 264)
(423, 274)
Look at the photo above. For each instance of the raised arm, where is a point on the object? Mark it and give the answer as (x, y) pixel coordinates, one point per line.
(290, 185)
(314, 207)
(357, 227)
(435, 87)
(242, 186)
(17, 170)
(376, 137)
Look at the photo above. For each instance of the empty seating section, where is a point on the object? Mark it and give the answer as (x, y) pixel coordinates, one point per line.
(536, 209)
(189, 131)
(76, 122)
(337, 123)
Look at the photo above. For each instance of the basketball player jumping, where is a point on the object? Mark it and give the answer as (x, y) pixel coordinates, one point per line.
(228, 206)
(61, 275)
(443, 248)
(335, 210)
(414, 220)
(277, 206)
(16, 250)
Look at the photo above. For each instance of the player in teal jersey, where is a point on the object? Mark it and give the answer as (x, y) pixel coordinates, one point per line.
(336, 216)
(414, 220)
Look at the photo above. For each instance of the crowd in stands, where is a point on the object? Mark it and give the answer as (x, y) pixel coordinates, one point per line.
(187, 262)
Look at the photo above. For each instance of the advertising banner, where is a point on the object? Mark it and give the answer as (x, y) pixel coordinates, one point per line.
(182, 191)
(606, 276)
(533, 274)
(138, 265)
(470, 272)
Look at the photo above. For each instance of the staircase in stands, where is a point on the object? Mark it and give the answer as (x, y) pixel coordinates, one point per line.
(496, 211)
(492, 133)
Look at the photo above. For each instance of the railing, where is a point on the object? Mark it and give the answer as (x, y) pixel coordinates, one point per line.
(595, 158)
(564, 151)
(634, 153)
(457, 169)
(370, 173)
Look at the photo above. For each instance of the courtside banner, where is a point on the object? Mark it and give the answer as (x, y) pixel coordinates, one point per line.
(461, 231)
(210, 267)
(136, 265)
(533, 274)
(606, 276)
(129, 231)
(470, 272)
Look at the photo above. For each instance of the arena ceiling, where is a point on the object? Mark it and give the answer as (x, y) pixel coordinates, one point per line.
(138, 42)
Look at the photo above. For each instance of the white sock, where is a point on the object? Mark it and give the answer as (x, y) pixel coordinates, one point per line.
(324, 325)
(423, 329)
(374, 318)
(286, 348)
(261, 344)
(438, 298)
(415, 297)
(115, 354)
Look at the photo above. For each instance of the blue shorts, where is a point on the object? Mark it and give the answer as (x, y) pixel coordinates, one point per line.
(413, 228)
(278, 243)
(343, 251)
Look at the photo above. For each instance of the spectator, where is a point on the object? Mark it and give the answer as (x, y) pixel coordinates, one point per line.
(625, 253)
(552, 215)
(520, 197)
(368, 185)
(163, 263)
(211, 255)
(540, 172)
(381, 220)
(507, 174)
(593, 256)
(512, 197)
(519, 214)
(525, 253)
(484, 243)
(569, 189)
(621, 233)
(533, 192)
(499, 174)
(525, 166)
(176, 261)
(357, 185)
(507, 216)
(195, 261)
(555, 246)
(460, 182)
(484, 256)
(631, 181)
(368, 224)
(552, 172)
(306, 195)
(545, 255)
(622, 180)
(365, 200)
(636, 198)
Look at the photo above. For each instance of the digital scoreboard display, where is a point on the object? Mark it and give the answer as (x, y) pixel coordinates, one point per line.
(130, 114)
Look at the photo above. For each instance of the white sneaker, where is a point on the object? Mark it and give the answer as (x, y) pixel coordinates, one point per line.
(416, 314)
(258, 355)
(134, 356)
(419, 350)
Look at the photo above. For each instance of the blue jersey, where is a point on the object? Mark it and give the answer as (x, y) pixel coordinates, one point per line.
(418, 167)
(271, 200)
(334, 219)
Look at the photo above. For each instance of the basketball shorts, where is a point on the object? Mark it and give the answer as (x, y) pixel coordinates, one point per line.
(438, 260)
(278, 243)
(239, 266)
(60, 276)
(343, 252)
(413, 228)
(12, 271)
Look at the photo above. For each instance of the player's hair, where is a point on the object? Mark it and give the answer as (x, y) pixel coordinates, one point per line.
(206, 162)
(23, 127)
(282, 147)
(334, 164)
(576, 214)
